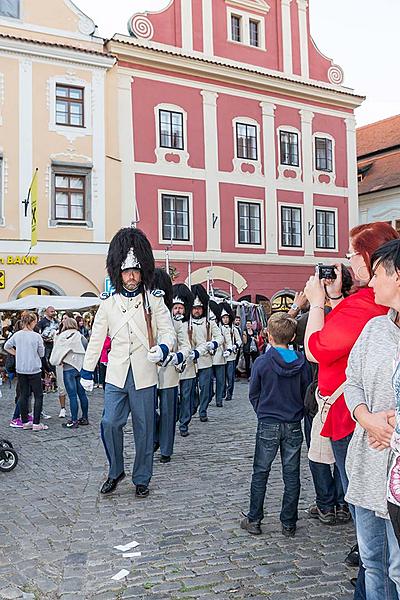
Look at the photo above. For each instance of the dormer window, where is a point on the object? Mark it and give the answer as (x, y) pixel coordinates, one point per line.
(10, 8)
(236, 28)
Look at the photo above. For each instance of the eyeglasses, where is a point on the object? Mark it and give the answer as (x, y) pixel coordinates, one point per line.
(350, 255)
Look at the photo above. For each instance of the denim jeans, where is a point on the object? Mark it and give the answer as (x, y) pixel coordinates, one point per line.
(74, 390)
(186, 402)
(379, 552)
(230, 379)
(204, 377)
(327, 483)
(287, 437)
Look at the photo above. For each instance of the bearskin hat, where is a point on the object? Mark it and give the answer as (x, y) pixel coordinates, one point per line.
(162, 281)
(133, 242)
(183, 295)
(215, 308)
(201, 298)
(226, 309)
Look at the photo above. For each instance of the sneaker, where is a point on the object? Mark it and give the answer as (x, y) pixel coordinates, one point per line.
(44, 416)
(27, 425)
(63, 413)
(165, 459)
(184, 433)
(289, 532)
(83, 421)
(353, 557)
(343, 514)
(71, 424)
(16, 423)
(39, 427)
(142, 491)
(253, 527)
(327, 517)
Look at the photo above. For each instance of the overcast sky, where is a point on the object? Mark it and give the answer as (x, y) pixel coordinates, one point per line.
(360, 35)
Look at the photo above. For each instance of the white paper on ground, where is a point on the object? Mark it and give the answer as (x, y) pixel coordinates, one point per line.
(127, 546)
(131, 555)
(120, 575)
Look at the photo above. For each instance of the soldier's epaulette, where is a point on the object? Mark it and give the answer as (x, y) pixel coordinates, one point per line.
(158, 293)
(104, 295)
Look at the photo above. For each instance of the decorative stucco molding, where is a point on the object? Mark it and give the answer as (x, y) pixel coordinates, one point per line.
(259, 5)
(140, 26)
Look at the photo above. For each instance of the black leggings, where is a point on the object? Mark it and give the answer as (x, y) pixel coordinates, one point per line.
(26, 384)
(394, 513)
(249, 357)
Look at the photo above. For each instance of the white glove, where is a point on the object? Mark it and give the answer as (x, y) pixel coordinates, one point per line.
(155, 355)
(192, 355)
(210, 346)
(226, 353)
(87, 384)
(174, 359)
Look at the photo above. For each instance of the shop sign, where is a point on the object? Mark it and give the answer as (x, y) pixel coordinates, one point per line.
(2, 280)
(19, 260)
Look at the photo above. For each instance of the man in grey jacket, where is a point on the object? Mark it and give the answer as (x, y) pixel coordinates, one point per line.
(370, 399)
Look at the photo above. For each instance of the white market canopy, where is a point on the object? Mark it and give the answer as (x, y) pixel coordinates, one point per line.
(35, 302)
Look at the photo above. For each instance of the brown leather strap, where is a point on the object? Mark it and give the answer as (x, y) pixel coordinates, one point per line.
(147, 318)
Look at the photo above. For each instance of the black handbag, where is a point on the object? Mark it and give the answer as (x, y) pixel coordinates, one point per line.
(9, 363)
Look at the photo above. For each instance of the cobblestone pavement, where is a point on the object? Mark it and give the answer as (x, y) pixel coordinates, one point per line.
(57, 535)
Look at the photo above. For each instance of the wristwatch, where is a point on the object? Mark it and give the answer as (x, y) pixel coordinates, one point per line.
(295, 306)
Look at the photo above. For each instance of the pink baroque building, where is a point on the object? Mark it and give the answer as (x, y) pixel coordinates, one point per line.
(237, 142)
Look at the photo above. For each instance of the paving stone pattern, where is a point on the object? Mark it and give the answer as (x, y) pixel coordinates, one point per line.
(57, 534)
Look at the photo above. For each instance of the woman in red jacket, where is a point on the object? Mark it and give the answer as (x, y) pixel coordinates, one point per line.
(330, 338)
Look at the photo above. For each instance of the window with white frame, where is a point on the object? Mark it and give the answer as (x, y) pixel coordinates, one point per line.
(323, 154)
(1, 190)
(70, 105)
(236, 28)
(291, 229)
(289, 148)
(175, 217)
(246, 141)
(325, 229)
(249, 222)
(71, 195)
(10, 8)
(254, 33)
(171, 129)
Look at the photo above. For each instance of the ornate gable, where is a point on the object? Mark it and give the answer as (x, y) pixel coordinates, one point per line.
(258, 5)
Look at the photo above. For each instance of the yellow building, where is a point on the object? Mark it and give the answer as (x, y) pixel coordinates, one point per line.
(54, 77)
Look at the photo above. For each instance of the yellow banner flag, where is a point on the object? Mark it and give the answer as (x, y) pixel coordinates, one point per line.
(34, 200)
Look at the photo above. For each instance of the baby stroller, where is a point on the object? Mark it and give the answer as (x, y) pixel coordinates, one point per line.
(8, 456)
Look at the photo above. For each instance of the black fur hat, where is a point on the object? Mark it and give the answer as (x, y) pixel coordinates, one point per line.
(183, 293)
(162, 281)
(226, 308)
(200, 296)
(125, 239)
(216, 309)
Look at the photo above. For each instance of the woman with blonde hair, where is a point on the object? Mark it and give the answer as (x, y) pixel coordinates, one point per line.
(69, 351)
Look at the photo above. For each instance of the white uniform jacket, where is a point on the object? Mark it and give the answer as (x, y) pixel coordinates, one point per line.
(168, 377)
(235, 339)
(122, 318)
(218, 358)
(190, 371)
(200, 340)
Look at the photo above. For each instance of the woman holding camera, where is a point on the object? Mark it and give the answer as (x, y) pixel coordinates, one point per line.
(330, 338)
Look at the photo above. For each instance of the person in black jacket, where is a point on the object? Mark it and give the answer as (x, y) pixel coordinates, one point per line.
(278, 383)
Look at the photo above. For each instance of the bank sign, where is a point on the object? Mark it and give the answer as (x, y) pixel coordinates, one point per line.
(18, 260)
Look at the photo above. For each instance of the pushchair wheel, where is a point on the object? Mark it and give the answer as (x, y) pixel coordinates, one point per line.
(5, 444)
(8, 459)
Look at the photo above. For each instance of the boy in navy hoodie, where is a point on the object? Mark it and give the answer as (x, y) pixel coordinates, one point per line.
(278, 383)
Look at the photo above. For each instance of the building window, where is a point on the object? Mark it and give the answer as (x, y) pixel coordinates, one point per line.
(10, 8)
(1, 189)
(323, 154)
(249, 223)
(69, 105)
(325, 229)
(246, 141)
(69, 197)
(236, 26)
(289, 147)
(171, 129)
(291, 227)
(175, 217)
(254, 33)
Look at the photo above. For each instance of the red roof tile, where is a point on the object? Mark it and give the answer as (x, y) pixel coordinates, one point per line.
(378, 136)
(384, 173)
(78, 48)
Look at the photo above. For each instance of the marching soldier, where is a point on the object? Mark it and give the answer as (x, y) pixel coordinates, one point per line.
(206, 339)
(219, 357)
(181, 311)
(232, 334)
(134, 318)
(168, 374)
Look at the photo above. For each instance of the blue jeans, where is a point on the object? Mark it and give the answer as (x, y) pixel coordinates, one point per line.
(287, 437)
(379, 551)
(204, 377)
(327, 484)
(230, 379)
(186, 402)
(75, 390)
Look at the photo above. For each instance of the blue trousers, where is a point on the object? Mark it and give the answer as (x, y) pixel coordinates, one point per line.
(230, 379)
(75, 390)
(186, 402)
(166, 420)
(219, 374)
(204, 377)
(118, 403)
